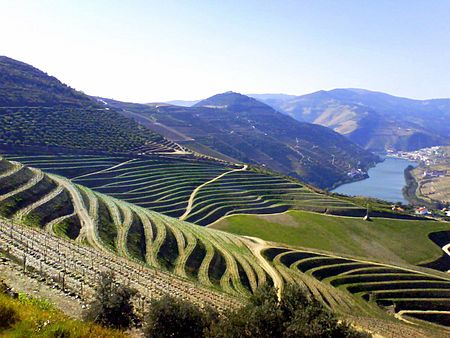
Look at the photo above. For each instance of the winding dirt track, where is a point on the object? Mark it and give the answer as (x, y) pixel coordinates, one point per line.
(399, 315)
(104, 170)
(196, 190)
(87, 225)
(256, 245)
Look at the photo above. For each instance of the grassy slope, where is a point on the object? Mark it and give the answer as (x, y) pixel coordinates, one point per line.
(387, 240)
(38, 318)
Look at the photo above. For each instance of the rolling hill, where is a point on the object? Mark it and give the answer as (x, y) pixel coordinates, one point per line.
(39, 113)
(374, 120)
(236, 127)
(160, 254)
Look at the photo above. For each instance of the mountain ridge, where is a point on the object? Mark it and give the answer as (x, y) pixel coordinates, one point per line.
(251, 131)
(374, 120)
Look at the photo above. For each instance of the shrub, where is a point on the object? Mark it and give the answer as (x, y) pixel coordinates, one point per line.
(296, 315)
(171, 317)
(112, 305)
(8, 316)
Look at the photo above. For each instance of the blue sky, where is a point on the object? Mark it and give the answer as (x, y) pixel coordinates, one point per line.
(147, 51)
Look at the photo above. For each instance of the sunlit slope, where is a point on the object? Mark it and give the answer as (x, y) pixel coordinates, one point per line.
(214, 259)
(382, 239)
(407, 291)
(167, 184)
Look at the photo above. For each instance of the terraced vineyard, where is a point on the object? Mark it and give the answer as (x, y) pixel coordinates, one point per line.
(212, 258)
(411, 292)
(196, 190)
(160, 252)
(92, 130)
(250, 192)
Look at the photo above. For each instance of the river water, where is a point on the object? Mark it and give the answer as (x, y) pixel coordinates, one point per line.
(386, 181)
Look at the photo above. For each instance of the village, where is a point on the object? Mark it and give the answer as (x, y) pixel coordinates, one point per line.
(426, 156)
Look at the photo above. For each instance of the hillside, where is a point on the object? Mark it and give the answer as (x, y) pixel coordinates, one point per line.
(249, 131)
(375, 121)
(382, 239)
(196, 190)
(38, 112)
(157, 254)
(22, 85)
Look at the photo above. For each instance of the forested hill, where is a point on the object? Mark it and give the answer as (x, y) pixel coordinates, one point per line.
(250, 131)
(40, 113)
(22, 85)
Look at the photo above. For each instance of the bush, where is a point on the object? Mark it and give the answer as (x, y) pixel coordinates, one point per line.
(171, 317)
(112, 305)
(296, 315)
(8, 316)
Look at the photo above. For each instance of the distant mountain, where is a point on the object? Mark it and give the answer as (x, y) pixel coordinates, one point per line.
(40, 113)
(183, 103)
(236, 127)
(374, 120)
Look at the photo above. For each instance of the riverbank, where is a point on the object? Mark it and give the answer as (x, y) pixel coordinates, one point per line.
(410, 190)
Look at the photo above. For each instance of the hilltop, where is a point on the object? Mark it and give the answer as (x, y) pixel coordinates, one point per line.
(238, 128)
(374, 120)
(39, 113)
(22, 85)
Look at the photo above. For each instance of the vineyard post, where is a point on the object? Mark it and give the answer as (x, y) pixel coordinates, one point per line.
(63, 280)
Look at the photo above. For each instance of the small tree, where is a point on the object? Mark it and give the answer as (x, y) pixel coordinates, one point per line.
(171, 317)
(112, 305)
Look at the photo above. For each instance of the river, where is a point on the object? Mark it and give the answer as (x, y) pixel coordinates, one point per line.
(386, 181)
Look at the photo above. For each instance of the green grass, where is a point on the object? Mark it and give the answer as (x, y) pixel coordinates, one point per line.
(387, 240)
(34, 317)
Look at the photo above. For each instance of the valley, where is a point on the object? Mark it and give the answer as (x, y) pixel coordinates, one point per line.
(171, 247)
(237, 128)
(208, 204)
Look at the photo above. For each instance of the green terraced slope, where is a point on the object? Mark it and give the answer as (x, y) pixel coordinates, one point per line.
(407, 291)
(198, 190)
(233, 264)
(387, 240)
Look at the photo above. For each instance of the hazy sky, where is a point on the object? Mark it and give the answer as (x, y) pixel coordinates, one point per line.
(146, 51)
